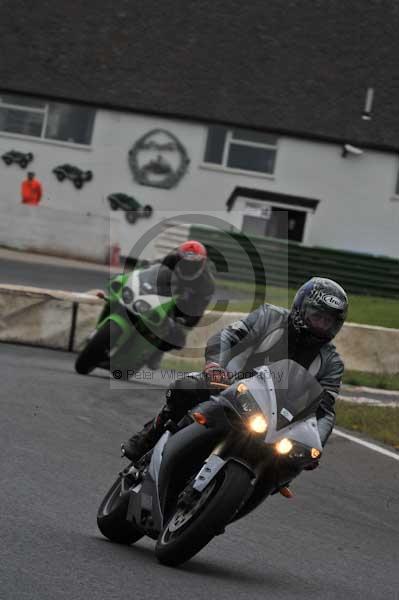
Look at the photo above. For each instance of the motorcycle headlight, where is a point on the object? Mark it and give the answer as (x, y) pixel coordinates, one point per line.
(242, 388)
(284, 446)
(314, 453)
(116, 287)
(127, 295)
(258, 424)
(141, 306)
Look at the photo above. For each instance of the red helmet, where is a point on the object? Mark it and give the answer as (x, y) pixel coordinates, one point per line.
(192, 260)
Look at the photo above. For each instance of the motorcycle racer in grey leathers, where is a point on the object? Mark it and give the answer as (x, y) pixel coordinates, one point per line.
(265, 336)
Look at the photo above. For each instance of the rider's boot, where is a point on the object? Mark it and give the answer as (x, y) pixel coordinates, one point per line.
(143, 441)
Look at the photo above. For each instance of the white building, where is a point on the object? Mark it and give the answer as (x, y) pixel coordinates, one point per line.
(246, 177)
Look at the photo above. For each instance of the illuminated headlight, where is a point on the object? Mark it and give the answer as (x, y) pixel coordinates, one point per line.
(242, 388)
(284, 446)
(257, 424)
(314, 453)
(141, 306)
(127, 295)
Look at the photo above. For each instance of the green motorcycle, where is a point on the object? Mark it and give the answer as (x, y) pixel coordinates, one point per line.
(134, 321)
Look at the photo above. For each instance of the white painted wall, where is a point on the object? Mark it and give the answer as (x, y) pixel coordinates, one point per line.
(355, 210)
(48, 230)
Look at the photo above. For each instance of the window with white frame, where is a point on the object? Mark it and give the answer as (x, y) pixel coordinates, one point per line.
(241, 149)
(21, 115)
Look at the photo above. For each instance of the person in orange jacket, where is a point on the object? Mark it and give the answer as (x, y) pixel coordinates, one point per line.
(31, 190)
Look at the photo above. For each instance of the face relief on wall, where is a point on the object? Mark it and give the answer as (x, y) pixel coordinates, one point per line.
(158, 159)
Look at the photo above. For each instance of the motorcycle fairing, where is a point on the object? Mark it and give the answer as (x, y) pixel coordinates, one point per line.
(154, 280)
(144, 497)
(183, 456)
(171, 466)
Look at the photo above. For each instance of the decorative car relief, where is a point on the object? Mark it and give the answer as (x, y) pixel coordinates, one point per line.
(74, 174)
(133, 209)
(20, 158)
(158, 159)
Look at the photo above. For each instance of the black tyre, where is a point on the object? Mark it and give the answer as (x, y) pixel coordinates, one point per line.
(97, 349)
(131, 216)
(113, 204)
(147, 211)
(111, 517)
(78, 183)
(23, 163)
(60, 176)
(8, 161)
(89, 175)
(187, 532)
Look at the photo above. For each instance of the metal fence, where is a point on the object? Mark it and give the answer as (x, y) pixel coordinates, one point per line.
(291, 263)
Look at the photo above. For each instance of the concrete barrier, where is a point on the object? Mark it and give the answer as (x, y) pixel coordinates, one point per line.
(48, 318)
(363, 347)
(62, 320)
(368, 348)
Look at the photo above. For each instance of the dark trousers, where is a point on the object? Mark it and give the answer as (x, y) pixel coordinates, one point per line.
(186, 393)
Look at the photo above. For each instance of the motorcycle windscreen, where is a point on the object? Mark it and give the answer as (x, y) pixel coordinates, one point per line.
(155, 280)
(297, 391)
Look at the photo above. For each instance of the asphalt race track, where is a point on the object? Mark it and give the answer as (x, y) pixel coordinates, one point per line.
(73, 279)
(60, 434)
(52, 276)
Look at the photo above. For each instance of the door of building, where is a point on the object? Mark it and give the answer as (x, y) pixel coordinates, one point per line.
(282, 223)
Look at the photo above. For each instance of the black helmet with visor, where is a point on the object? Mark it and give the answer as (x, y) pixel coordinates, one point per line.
(319, 309)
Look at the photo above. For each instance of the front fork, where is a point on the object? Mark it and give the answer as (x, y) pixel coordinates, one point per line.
(227, 450)
(250, 454)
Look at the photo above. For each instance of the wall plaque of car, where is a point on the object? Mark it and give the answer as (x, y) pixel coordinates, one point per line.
(133, 209)
(74, 174)
(20, 158)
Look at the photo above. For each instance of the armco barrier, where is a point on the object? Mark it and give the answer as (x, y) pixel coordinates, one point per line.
(62, 320)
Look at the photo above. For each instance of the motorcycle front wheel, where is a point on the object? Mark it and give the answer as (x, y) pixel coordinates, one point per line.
(98, 347)
(191, 528)
(111, 517)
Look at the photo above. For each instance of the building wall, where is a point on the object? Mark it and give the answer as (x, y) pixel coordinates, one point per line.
(355, 212)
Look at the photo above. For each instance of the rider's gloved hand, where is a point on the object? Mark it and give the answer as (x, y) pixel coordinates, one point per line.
(214, 373)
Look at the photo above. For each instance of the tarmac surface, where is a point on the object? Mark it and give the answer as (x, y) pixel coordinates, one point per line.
(55, 274)
(338, 538)
(23, 268)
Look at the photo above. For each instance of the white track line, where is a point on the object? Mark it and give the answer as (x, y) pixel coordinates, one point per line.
(369, 401)
(374, 447)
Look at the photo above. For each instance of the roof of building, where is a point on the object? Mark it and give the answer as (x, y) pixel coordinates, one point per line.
(301, 67)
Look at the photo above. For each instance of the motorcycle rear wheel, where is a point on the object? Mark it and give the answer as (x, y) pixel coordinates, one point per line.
(111, 517)
(218, 504)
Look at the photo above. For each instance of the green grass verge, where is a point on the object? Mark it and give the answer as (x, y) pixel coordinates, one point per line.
(368, 310)
(359, 378)
(374, 380)
(186, 366)
(378, 422)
